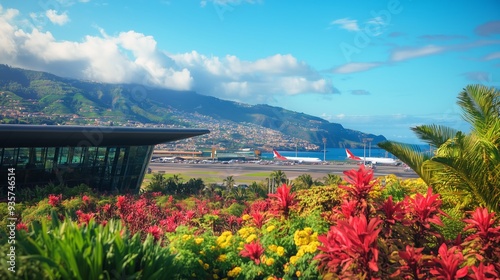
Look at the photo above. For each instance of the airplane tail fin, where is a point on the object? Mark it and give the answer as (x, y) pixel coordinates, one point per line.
(277, 155)
(350, 155)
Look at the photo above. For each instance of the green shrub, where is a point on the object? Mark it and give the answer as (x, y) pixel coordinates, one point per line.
(235, 209)
(67, 250)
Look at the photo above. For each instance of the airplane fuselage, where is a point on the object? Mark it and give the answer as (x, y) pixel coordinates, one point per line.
(373, 160)
(277, 156)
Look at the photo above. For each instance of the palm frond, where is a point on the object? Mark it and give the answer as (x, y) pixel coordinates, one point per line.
(411, 155)
(480, 106)
(435, 135)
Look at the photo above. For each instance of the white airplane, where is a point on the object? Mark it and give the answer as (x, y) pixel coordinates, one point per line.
(167, 159)
(296, 159)
(373, 160)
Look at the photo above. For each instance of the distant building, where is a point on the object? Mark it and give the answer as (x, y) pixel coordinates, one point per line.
(105, 158)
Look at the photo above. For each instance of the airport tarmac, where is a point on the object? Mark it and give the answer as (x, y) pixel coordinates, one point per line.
(250, 172)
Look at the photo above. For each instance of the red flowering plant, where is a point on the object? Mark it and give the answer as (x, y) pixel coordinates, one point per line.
(447, 264)
(284, 199)
(156, 232)
(484, 242)
(253, 250)
(350, 248)
(55, 200)
(484, 272)
(361, 183)
(258, 219)
(393, 212)
(412, 262)
(84, 218)
(422, 212)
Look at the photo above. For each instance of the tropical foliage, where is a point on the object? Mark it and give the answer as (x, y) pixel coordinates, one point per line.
(357, 232)
(465, 166)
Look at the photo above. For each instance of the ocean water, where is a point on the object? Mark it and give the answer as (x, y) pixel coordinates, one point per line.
(333, 154)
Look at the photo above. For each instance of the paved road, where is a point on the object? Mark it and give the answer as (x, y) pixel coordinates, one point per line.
(245, 170)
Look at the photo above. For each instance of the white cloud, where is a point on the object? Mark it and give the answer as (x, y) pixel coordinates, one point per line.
(491, 56)
(408, 53)
(230, 77)
(355, 67)
(59, 19)
(132, 57)
(347, 24)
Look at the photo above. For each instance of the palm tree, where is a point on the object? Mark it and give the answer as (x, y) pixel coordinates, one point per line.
(332, 180)
(229, 182)
(463, 164)
(305, 181)
(279, 177)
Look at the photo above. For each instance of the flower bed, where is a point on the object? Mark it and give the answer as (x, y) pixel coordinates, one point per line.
(352, 231)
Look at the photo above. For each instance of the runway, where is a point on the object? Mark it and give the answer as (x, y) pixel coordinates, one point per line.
(250, 172)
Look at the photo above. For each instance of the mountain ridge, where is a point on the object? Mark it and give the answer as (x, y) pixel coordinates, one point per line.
(42, 97)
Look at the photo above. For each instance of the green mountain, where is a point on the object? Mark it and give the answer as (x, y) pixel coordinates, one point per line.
(37, 97)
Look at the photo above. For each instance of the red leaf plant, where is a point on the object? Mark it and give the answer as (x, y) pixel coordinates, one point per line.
(285, 199)
(84, 218)
(350, 247)
(258, 219)
(394, 212)
(447, 264)
(55, 200)
(423, 211)
(234, 222)
(485, 241)
(253, 251)
(169, 223)
(484, 272)
(412, 264)
(155, 231)
(361, 184)
(22, 226)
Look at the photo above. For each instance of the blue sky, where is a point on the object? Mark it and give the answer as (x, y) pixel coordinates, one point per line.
(376, 66)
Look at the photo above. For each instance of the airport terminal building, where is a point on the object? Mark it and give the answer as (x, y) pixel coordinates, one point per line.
(105, 158)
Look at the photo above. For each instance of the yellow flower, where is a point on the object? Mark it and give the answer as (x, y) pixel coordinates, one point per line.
(272, 248)
(200, 261)
(251, 238)
(269, 261)
(234, 272)
(301, 237)
(293, 259)
(246, 217)
(222, 258)
(206, 266)
(198, 240)
(270, 228)
(215, 276)
(308, 230)
(186, 237)
(280, 251)
(300, 252)
(298, 273)
(246, 231)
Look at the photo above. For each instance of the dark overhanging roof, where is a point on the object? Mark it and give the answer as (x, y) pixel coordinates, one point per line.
(12, 136)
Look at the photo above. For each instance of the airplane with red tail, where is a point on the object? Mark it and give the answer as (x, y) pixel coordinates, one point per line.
(373, 160)
(277, 156)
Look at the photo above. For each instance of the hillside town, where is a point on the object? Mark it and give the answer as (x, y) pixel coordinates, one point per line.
(223, 134)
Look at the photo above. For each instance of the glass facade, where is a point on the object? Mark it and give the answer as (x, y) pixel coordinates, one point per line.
(118, 168)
